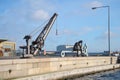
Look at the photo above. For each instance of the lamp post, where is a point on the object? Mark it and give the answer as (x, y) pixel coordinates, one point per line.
(108, 25)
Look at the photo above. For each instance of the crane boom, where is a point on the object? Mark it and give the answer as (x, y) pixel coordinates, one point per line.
(46, 29)
(39, 42)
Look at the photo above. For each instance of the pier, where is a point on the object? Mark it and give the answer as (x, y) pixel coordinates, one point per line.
(54, 68)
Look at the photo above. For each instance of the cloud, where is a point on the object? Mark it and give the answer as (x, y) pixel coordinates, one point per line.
(87, 29)
(39, 9)
(81, 31)
(67, 32)
(94, 4)
(41, 4)
(40, 15)
(105, 35)
(114, 35)
(101, 37)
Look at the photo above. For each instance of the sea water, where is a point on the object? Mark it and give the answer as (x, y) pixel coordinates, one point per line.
(108, 75)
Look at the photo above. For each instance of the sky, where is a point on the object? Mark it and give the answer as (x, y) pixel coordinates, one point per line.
(76, 21)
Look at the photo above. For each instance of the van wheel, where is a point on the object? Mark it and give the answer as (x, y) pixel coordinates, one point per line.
(62, 54)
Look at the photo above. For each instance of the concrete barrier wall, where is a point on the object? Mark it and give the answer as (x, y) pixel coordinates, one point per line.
(63, 75)
(27, 67)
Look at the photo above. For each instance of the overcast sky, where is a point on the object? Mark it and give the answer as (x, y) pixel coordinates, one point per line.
(76, 21)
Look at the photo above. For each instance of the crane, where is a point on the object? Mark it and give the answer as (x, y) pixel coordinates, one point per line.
(81, 50)
(38, 44)
(78, 49)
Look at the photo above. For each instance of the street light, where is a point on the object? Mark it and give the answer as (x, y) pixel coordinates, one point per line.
(108, 25)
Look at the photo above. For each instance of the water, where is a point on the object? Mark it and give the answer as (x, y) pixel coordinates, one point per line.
(108, 75)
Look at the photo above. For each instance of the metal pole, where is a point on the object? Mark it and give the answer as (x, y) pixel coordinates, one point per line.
(108, 26)
(109, 30)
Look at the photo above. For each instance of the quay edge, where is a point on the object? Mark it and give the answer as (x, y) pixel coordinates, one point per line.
(71, 73)
(54, 68)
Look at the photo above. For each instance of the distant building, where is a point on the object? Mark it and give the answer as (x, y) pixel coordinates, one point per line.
(98, 54)
(6, 47)
(64, 47)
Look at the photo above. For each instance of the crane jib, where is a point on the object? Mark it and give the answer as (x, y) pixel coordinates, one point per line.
(39, 41)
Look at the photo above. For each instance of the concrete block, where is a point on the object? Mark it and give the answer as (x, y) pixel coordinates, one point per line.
(13, 74)
(19, 61)
(33, 60)
(24, 66)
(7, 68)
(5, 62)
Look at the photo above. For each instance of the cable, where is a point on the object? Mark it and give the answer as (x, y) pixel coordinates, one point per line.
(37, 29)
(56, 29)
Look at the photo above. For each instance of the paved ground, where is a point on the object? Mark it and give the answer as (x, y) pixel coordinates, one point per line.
(18, 57)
